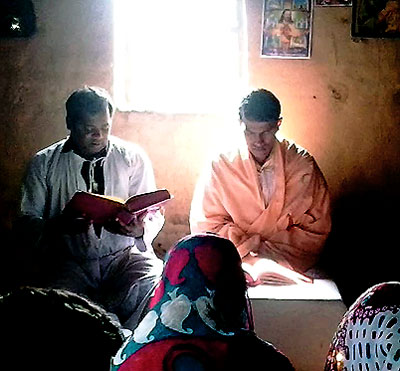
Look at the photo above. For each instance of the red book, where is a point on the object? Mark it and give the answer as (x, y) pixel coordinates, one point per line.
(101, 209)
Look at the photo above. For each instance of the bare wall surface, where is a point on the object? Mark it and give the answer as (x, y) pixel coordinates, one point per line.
(73, 46)
(342, 105)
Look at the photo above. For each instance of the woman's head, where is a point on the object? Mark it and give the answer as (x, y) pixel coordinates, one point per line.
(200, 297)
(213, 265)
(368, 337)
(50, 329)
(207, 269)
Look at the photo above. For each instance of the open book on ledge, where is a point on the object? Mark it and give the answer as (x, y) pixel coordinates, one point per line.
(269, 272)
(100, 209)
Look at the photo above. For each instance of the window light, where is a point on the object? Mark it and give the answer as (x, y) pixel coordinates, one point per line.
(179, 56)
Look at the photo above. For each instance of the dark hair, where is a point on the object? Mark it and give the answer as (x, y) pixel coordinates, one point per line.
(281, 19)
(56, 329)
(89, 100)
(260, 105)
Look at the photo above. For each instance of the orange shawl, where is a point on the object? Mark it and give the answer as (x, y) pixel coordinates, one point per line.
(294, 226)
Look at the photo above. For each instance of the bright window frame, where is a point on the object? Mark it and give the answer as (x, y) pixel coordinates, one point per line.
(179, 56)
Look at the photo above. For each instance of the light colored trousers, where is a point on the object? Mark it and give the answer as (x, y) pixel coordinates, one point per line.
(121, 282)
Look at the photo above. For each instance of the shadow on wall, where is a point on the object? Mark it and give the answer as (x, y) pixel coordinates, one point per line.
(7, 275)
(362, 247)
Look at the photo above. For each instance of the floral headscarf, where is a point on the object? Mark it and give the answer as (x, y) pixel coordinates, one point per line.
(368, 337)
(201, 295)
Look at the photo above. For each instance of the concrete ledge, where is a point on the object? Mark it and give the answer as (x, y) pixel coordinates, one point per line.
(319, 290)
(300, 320)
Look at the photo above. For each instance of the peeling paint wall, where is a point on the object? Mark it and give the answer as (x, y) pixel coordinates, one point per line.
(343, 105)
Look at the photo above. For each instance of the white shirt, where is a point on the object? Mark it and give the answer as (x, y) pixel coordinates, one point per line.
(266, 175)
(54, 175)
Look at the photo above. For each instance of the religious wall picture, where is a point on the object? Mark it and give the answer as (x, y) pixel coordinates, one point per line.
(286, 31)
(376, 19)
(333, 2)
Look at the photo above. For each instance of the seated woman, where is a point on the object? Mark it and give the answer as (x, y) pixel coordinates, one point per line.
(199, 317)
(368, 337)
(53, 329)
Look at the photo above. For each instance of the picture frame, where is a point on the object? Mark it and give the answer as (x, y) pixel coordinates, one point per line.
(326, 3)
(286, 29)
(376, 19)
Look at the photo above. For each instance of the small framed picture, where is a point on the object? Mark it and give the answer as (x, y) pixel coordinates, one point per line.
(286, 31)
(376, 19)
(333, 2)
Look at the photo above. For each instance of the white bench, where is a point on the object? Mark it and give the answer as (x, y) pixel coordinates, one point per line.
(300, 320)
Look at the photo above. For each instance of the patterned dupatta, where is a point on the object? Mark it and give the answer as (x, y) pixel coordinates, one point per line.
(200, 300)
(368, 337)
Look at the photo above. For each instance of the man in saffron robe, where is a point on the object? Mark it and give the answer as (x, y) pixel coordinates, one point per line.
(267, 196)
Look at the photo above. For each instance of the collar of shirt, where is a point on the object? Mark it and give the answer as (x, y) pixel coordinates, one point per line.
(69, 146)
(268, 165)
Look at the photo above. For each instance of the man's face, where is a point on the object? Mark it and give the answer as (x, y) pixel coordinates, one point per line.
(90, 132)
(260, 138)
(287, 15)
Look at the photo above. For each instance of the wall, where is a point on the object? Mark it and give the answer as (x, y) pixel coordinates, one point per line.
(342, 105)
(73, 46)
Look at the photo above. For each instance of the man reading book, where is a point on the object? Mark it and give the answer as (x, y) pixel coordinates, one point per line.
(111, 263)
(266, 195)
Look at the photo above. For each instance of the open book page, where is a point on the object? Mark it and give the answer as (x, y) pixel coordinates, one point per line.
(101, 209)
(268, 272)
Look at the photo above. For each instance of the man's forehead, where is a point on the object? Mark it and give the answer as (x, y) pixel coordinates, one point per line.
(260, 125)
(92, 118)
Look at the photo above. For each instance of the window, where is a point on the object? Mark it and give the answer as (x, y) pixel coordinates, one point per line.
(179, 56)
